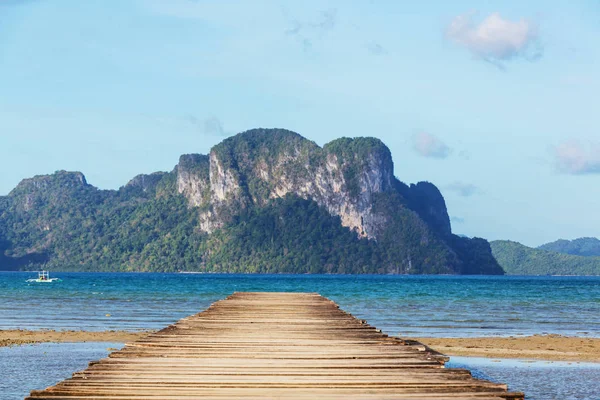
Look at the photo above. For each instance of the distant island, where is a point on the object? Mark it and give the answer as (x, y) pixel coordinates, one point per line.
(586, 246)
(562, 257)
(265, 200)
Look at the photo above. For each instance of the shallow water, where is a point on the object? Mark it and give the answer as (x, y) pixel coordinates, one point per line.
(539, 380)
(29, 367)
(436, 306)
(35, 367)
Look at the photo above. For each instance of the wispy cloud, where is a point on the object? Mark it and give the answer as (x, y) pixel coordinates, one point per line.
(576, 158)
(210, 126)
(496, 39)
(463, 189)
(307, 32)
(429, 145)
(214, 126)
(464, 154)
(327, 20)
(457, 220)
(376, 49)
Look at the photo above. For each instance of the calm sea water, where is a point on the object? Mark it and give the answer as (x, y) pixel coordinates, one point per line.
(399, 305)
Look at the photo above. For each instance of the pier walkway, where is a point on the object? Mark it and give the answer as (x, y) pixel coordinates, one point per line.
(273, 346)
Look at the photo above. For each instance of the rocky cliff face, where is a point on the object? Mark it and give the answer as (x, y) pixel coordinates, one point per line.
(193, 180)
(259, 165)
(266, 200)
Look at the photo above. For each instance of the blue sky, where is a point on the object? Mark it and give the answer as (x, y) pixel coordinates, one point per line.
(496, 102)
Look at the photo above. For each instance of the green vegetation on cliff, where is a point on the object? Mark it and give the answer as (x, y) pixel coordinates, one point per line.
(517, 259)
(295, 235)
(587, 247)
(290, 235)
(263, 201)
(78, 227)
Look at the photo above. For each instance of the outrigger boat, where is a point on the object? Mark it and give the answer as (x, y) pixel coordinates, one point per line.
(43, 276)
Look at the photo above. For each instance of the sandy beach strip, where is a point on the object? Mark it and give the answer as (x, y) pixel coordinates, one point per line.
(16, 337)
(536, 347)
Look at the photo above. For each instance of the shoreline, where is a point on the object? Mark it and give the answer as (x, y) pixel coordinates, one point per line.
(536, 347)
(17, 337)
(549, 347)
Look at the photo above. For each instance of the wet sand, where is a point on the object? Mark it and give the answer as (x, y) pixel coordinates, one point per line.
(18, 336)
(537, 347)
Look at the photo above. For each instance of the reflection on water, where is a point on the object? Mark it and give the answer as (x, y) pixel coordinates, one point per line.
(539, 380)
(400, 305)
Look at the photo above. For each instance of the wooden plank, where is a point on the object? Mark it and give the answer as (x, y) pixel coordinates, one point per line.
(273, 345)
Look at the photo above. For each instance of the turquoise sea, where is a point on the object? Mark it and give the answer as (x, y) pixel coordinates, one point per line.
(442, 306)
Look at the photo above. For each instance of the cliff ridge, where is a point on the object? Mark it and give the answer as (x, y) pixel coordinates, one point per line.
(352, 214)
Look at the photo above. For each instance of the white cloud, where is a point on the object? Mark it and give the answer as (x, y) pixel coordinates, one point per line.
(463, 189)
(575, 158)
(496, 39)
(429, 145)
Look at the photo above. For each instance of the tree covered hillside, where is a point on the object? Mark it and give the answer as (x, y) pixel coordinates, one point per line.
(262, 201)
(517, 259)
(587, 247)
(67, 224)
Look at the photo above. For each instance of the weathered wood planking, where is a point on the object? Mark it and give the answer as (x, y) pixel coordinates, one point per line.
(273, 345)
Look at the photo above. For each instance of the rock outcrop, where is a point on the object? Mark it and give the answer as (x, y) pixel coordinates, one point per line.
(256, 166)
(265, 200)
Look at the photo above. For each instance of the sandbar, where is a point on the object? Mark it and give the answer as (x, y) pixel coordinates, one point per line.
(15, 337)
(536, 347)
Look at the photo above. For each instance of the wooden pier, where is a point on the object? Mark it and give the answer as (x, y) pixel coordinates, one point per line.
(273, 346)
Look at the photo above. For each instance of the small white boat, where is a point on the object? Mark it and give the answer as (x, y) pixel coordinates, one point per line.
(43, 277)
